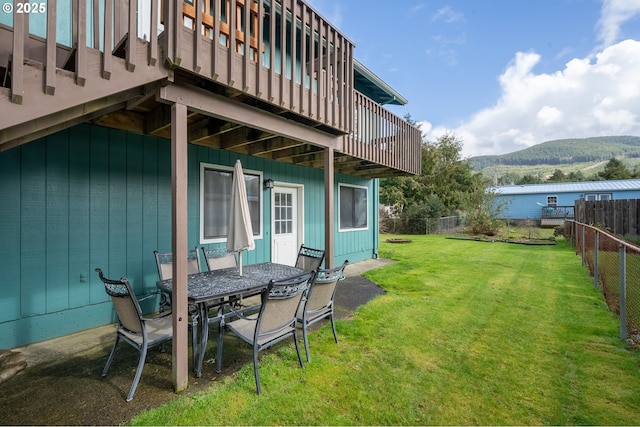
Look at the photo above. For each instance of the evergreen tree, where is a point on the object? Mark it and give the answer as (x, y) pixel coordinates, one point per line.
(615, 169)
(446, 185)
(576, 177)
(558, 176)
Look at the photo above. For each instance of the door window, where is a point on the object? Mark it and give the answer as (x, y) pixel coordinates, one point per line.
(283, 211)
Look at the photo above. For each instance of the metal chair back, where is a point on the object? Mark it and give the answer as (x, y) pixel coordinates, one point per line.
(218, 258)
(309, 259)
(164, 263)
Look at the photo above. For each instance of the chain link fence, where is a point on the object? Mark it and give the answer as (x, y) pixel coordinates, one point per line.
(443, 225)
(615, 266)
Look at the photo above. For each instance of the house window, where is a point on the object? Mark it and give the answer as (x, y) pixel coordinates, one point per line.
(353, 207)
(215, 201)
(590, 197)
(552, 201)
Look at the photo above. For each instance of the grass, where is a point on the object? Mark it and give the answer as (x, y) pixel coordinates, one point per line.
(468, 333)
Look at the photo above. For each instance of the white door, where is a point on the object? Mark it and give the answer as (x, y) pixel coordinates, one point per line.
(285, 225)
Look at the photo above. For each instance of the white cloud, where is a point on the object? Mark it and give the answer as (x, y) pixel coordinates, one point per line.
(415, 9)
(549, 115)
(589, 97)
(448, 15)
(614, 14)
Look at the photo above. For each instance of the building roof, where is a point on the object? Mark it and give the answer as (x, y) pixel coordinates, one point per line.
(367, 83)
(570, 187)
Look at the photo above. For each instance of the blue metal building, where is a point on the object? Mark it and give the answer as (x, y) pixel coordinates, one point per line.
(552, 203)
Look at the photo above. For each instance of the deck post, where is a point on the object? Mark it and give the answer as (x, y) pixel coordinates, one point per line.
(328, 207)
(179, 169)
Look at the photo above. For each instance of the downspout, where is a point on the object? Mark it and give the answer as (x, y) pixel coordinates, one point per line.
(376, 217)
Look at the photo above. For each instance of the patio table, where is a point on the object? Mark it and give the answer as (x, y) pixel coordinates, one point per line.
(221, 285)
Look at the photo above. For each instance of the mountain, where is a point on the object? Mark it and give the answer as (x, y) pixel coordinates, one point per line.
(568, 155)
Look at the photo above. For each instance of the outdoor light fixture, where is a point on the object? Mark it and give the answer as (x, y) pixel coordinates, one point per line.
(268, 183)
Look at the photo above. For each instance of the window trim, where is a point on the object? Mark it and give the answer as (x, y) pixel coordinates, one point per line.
(345, 230)
(211, 166)
(552, 205)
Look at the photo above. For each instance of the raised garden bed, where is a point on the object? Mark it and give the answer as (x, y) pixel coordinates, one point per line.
(398, 240)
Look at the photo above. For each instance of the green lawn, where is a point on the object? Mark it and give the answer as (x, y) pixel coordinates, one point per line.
(468, 333)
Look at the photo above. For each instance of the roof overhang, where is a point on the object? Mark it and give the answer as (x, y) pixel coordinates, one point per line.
(367, 83)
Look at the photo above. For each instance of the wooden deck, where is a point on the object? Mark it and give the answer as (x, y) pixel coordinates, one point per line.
(226, 60)
(556, 216)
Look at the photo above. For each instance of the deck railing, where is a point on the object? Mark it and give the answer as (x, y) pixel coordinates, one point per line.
(71, 63)
(557, 212)
(36, 39)
(383, 138)
(295, 60)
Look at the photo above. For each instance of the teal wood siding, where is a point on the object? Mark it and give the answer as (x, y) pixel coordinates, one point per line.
(362, 244)
(56, 214)
(33, 231)
(82, 198)
(91, 197)
(10, 248)
(79, 197)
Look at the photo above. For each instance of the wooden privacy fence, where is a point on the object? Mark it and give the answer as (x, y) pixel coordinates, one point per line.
(620, 216)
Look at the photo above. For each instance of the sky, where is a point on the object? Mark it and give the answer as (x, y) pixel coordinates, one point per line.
(502, 75)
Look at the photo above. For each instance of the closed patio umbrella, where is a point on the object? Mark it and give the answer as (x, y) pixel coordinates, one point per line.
(240, 233)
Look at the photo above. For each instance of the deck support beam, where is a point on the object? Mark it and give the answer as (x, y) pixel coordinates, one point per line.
(219, 106)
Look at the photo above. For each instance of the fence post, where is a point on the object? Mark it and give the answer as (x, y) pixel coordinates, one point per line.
(582, 244)
(595, 259)
(623, 292)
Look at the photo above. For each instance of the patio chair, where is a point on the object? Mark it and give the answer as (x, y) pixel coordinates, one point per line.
(309, 259)
(276, 320)
(317, 303)
(140, 332)
(218, 258)
(164, 263)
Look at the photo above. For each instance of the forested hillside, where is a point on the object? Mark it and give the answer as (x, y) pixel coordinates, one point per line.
(560, 160)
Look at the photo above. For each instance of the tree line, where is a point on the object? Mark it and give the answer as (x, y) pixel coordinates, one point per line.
(563, 151)
(613, 170)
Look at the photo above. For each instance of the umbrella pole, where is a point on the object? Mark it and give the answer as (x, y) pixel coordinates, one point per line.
(240, 262)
